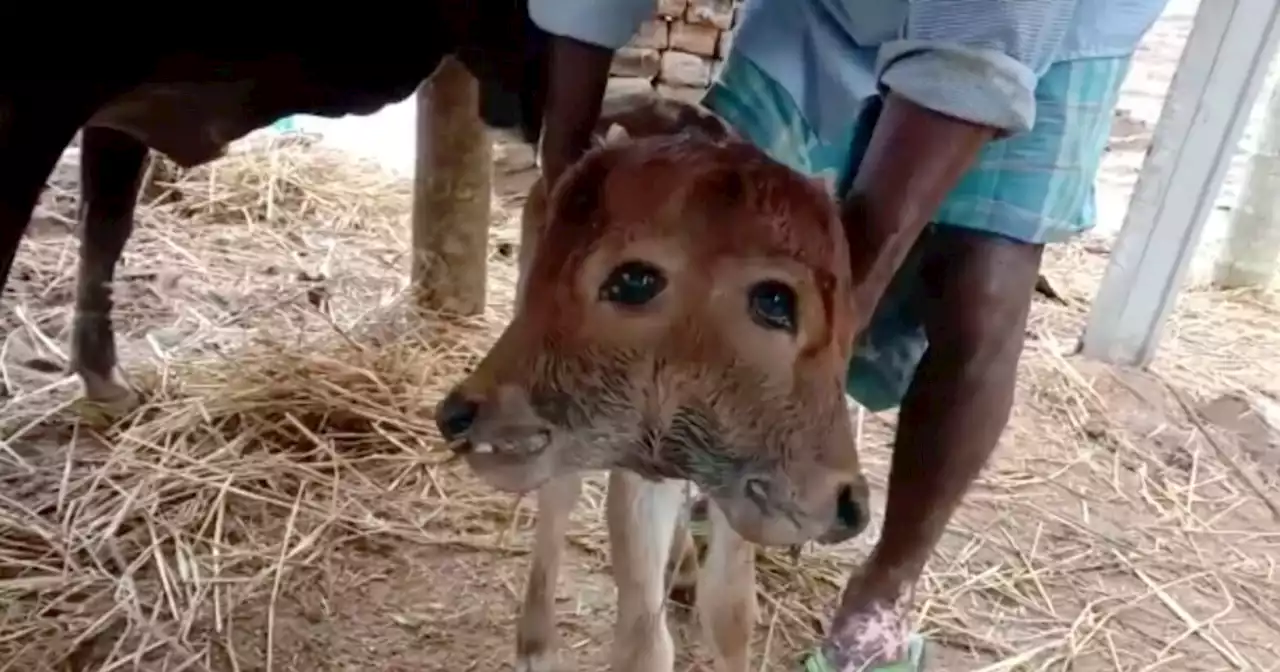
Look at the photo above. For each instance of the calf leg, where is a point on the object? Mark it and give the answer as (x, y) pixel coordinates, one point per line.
(979, 290)
(642, 518)
(727, 595)
(682, 566)
(111, 166)
(536, 627)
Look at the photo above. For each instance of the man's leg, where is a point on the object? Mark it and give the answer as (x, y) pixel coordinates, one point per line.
(976, 294)
(971, 293)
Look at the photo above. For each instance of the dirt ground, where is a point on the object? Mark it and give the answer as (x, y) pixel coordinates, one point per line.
(1121, 526)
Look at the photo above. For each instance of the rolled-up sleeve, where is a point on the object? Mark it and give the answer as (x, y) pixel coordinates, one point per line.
(604, 23)
(977, 60)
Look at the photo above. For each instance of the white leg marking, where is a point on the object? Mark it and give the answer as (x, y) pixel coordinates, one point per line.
(536, 627)
(727, 595)
(642, 517)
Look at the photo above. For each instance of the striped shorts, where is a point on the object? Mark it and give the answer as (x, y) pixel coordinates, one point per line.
(1036, 187)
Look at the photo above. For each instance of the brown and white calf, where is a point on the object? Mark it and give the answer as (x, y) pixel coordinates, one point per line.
(189, 101)
(685, 311)
(651, 549)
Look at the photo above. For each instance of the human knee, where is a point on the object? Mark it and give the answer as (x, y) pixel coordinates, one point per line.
(979, 287)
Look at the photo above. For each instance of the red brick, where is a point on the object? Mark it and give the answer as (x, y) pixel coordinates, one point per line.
(632, 62)
(697, 39)
(653, 35)
(718, 13)
(681, 69)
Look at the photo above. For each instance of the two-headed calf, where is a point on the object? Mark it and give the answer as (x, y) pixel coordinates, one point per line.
(685, 312)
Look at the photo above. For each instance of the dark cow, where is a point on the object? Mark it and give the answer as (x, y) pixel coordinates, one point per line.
(190, 104)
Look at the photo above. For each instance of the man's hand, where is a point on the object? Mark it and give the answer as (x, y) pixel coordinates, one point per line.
(584, 35)
(577, 77)
(916, 156)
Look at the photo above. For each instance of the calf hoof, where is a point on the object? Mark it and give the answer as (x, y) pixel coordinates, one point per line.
(541, 661)
(536, 643)
(683, 573)
(686, 557)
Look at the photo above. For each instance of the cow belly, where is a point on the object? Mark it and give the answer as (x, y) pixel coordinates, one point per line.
(190, 123)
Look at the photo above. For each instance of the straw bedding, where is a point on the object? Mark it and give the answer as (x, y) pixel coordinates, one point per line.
(278, 503)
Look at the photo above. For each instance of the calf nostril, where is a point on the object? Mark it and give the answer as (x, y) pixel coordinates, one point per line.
(455, 415)
(850, 511)
(757, 490)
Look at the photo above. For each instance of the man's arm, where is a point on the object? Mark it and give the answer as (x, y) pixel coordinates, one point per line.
(585, 34)
(915, 157)
(964, 73)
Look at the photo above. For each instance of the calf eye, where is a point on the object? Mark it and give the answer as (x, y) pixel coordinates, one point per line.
(633, 284)
(773, 305)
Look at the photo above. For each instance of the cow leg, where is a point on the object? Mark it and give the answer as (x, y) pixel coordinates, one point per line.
(31, 141)
(727, 595)
(978, 291)
(111, 166)
(536, 626)
(642, 518)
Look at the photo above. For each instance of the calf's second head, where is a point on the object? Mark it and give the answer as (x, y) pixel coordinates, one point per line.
(685, 312)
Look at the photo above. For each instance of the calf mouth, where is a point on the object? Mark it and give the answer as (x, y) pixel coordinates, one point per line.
(504, 450)
(508, 465)
(529, 446)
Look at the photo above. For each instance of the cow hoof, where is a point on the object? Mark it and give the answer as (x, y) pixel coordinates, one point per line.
(100, 414)
(106, 401)
(537, 662)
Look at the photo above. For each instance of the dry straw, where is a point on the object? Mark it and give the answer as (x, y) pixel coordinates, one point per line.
(278, 502)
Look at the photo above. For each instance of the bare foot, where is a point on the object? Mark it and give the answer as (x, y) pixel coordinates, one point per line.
(868, 633)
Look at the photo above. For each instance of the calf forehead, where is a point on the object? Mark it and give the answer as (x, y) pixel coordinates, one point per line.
(719, 198)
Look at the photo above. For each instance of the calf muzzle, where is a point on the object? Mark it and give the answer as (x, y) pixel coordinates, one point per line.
(772, 510)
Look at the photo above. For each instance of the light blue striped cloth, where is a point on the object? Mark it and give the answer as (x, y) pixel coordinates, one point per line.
(1035, 187)
(285, 125)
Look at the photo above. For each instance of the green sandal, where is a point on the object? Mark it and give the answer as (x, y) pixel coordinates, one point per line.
(817, 662)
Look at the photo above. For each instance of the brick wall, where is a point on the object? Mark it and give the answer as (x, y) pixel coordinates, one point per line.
(679, 50)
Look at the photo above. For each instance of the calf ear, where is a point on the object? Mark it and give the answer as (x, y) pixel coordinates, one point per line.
(615, 135)
(825, 183)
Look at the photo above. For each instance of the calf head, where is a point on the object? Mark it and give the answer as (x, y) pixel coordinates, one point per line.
(685, 312)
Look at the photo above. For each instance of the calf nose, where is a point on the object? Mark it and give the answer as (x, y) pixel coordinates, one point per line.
(455, 414)
(757, 490)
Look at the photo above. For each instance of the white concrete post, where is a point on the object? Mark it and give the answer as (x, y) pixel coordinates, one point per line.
(1252, 247)
(1218, 77)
